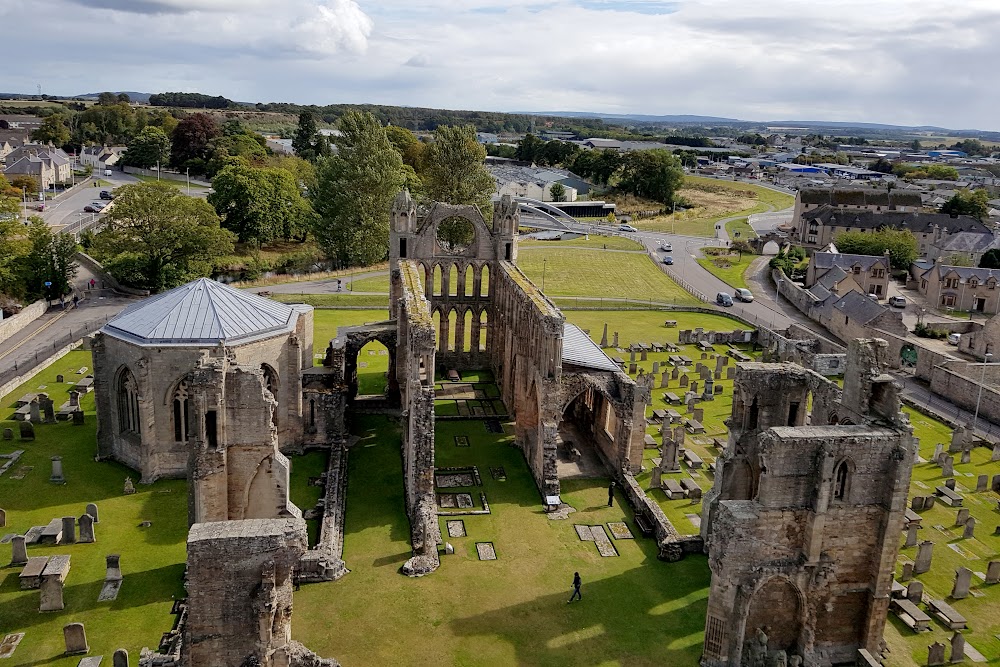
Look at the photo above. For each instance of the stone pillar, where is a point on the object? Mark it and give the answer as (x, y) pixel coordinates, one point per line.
(19, 552)
(604, 336)
(76, 639)
(614, 342)
(963, 577)
(925, 553)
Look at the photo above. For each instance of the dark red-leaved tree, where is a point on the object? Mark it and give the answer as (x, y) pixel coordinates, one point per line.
(191, 140)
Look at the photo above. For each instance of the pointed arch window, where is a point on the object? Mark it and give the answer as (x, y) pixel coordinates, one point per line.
(128, 403)
(181, 414)
(842, 481)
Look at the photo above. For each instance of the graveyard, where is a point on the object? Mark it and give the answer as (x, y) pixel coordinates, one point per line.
(500, 598)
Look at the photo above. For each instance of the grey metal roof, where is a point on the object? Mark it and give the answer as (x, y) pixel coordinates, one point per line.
(580, 350)
(202, 312)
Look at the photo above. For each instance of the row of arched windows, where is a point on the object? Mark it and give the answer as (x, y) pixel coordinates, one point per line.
(461, 331)
(451, 273)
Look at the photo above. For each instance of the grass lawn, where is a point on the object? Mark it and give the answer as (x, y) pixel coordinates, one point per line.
(595, 241)
(180, 184)
(379, 283)
(595, 273)
(732, 274)
(511, 611)
(152, 558)
(342, 300)
(742, 227)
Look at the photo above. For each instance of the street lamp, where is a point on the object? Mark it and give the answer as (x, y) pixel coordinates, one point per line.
(544, 263)
(982, 381)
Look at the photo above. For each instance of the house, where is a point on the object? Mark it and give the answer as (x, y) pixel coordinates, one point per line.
(47, 165)
(487, 138)
(869, 272)
(964, 248)
(595, 142)
(981, 342)
(535, 182)
(34, 167)
(857, 198)
(834, 283)
(961, 287)
(101, 157)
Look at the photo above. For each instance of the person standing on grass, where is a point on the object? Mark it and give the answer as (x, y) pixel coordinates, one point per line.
(576, 588)
(611, 493)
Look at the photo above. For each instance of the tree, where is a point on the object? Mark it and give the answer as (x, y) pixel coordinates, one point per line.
(406, 143)
(558, 192)
(192, 141)
(304, 143)
(354, 192)
(49, 260)
(971, 147)
(53, 130)
(881, 165)
(150, 148)
(11, 245)
(25, 183)
(259, 204)
(107, 99)
(244, 146)
(968, 202)
(654, 174)
(157, 238)
(606, 165)
(916, 146)
(741, 247)
(990, 259)
(530, 148)
(901, 244)
(123, 97)
(454, 169)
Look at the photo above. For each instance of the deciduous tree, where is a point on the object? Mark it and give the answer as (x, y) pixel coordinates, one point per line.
(49, 259)
(192, 141)
(558, 192)
(654, 174)
(259, 204)
(150, 148)
(454, 169)
(53, 130)
(966, 202)
(901, 244)
(304, 142)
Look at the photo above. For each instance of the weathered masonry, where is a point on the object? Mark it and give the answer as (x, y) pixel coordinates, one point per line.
(802, 525)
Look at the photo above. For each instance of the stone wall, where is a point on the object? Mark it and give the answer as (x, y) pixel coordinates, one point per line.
(105, 278)
(803, 347)
(15, 323)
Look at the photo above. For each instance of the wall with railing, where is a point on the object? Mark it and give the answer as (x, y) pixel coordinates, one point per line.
(15, 323)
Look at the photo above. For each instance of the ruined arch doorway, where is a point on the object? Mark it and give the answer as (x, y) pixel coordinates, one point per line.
(777, 608)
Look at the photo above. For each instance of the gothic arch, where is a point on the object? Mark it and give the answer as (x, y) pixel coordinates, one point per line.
(778, 607)
(741, 479)
(843, 476)
(127, 401)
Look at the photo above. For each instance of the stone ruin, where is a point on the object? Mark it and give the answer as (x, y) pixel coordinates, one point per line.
(802, 524)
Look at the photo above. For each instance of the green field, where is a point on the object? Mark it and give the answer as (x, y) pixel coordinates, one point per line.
(595, 241)
(742, 227)
(179, 184)
(732, 275)
(339, 300)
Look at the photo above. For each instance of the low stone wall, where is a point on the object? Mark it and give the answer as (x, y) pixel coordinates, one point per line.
(14, 383)
(673, 546)
(325, 562)
(100, 272)
(15, 323)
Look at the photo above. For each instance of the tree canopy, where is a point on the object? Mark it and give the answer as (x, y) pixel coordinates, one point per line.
(654, 174)
(192, 141)
(150, 148)
(354, 192)
(901, 244)
(157, 238)
(990, 259)
(53, 130)
(259, 204)
(968, 202)
(192, 100)
(49, 259)
(454, 169)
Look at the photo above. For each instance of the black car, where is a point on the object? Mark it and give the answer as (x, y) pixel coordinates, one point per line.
(107, 195)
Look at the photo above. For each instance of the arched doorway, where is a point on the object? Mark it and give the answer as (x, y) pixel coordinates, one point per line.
(739, 481)
(587, 431)
(777, 609)
(373, 369)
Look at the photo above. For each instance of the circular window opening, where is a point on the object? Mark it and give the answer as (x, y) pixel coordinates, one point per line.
(455, 235)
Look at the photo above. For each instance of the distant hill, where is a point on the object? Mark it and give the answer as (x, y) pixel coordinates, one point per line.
(642, 118)
(142, 98)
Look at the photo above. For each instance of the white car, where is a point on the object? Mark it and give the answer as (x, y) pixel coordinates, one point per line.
(954, 338)
(627, 228)
(744, 295)
(666, 247)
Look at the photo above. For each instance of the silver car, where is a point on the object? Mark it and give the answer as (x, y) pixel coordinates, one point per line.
(744, 295)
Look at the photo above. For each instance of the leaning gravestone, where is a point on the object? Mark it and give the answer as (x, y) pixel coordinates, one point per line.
(925, 553)
(92, 511)
(993, 572)
(970, 528)
(966, 456)
(962, 516)
(27, 430)
(957, 647)
(914, 591)
(982, 482)
(963, 578)
(76, 639)
(935, 654)
(19, 551)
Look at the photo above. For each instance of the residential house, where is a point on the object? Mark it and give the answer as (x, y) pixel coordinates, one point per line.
(871, 273)
(855, 198)
(47, 165)
(983, 341)
(961, 287)
(836, 283)
(964, 248)
(101, 157)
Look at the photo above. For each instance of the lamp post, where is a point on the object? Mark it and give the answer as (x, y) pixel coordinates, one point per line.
(982, 381)
(544, 263)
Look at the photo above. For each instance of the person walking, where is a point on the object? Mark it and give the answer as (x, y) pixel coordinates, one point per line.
(576, 588)
(611, 494)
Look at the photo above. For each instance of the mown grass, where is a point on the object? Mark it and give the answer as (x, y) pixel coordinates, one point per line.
(596, 241)
(338, 300)
(742, 227)
(732, 274)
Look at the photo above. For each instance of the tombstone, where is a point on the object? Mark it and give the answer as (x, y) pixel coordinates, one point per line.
(8, 434)
(948, 467)
(982, 482)
(938, 451)
(685, 381)
(92, 511)
(709, 394)
(674, 373)
(962, 516)
(699, 414)
(49, 410)
(631, 355)
(957, 647)
(19, 551)
(993, 572)
(57, 471)
(26, 430)
(914, 591)
(656, 367)
(78, 418)
(35, 411)
(718, 364)
(950, 483)
(911, 535)
(694, 387)
(120, 658)
(690, 402)
(664, 380)
(614, 342)
(704, 355)
(60, 379)
(957, 439)
(907, 572)
(642, 355)
(74, 399)
(719, 389)
(935, 654)
(917, 503)
(730, 372)
(970, 529)
(963, 577)
(929, 502)
(995, 483)
(113, 570)
(448, 549)
(87, 529)
(656, 479)
(68, 530)
(631, 368)
(604, 336)
(996, 452)
(3, 518)
(925, 553)
(129, 489)
(966, 456)
(669, 455)
(53, 581)
(725, 361)
(76, 639)
(717, 375)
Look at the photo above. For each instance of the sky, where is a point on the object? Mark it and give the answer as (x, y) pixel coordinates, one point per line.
(908, 62)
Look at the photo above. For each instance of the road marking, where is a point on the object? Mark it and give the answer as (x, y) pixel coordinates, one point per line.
(34, 333)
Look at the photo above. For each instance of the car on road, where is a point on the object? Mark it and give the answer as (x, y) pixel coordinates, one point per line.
(724, 299)
(107, 195)
(897, 301)
(90, 208)
(627, 228)
(954, 339)
(666, 247)
(668, 260)
(744, 295)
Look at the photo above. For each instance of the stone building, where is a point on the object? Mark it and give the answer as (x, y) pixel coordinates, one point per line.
(803, 523)
(152, 359)
(960, 287)
(871, 273)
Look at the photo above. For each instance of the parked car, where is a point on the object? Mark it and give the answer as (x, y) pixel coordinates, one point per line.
(89, 208)
(723, 299)
(627, 228)
(666, 247)
(954, 339)
(668, 260)
(107, 195)
(873, 296)
(744, 295)
(897, 301)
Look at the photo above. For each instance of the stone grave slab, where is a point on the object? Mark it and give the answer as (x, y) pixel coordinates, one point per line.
(31, 574)
(91, 661)
(109, 591)
(52, 533)
(695, 519)
(464, 500)
(22, 472)
(7, 538)
(499, 474)
(456, 528)
(603, 542)
(33, 535)
(486, 551)
(454, 480)
(461, 441)
(9, 644)
(584, 532)
(619, 530)
(447, 501)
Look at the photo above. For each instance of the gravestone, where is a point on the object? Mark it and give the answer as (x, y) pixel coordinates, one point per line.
(914, 591)
(957, 439)
(694, 387)
(35, 411)
(993, 572)
(120, 658)
(664, 380)
(938, 451)
(87, 529)
(982, 482)
(950, 483)
(68, 530)
(717, 375)
(53, 581)
(963, 577)
(631, 368)
(60, 379)
(49, 410)
(642, 355)
(674, 373)
(925, 553)
(719, 389)
(656, 367)
(730, 372)
(929, 502)
(935, 654)
(76, 639)
(970, 529)
(907, 572)
(996, 452)
(57, 471)
(966, 456)
(19, 550)
(685, 381)
(957, 647)
(948, 466)
(26, 430)
(962, 516)
(995, 483)
(604, 336)
(74, 399)
(917, 503)
(8, 434)
(725, 361)
(3, 518)
(631, 355)
(709, 394)
(113, 571)
(654, 482)
(718, 364)
(78, 418)
(129, 488)
(614, 342)
(690, 402)
(699, 414)
(911, 535)
(92, 511)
